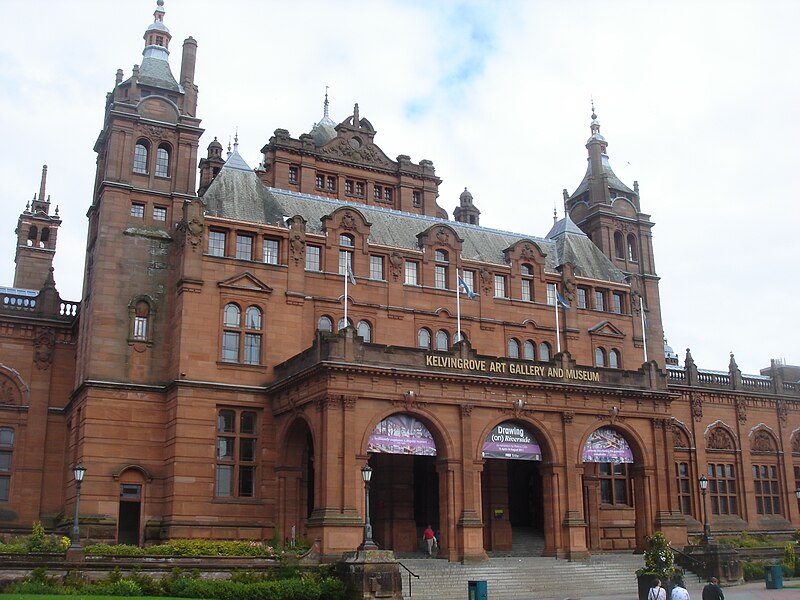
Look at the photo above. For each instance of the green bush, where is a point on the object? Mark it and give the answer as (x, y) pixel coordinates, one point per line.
(753, 570)
(37, 541)
(747, 540)
(659, 559)
(188, 548)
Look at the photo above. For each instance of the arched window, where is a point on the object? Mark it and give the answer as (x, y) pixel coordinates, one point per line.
(325, 324)
(633, 251)
(529, 350)
(162, 161)
(619, 250)
(513, 348)
(252, 336)
(424, 338)
(231, 336)
(33, 233)
(364, 329)
(342, 324)
(723, 489)
(45, 235)
(346, 245)
(599, 357)
(442, 340)
(544, 351)
(6, 450)
(141, 321)
(766, 473)
(140, 154)
(614, 360)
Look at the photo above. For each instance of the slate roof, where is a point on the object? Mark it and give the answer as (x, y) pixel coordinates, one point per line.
(237, 193)
(156, 73)
(613, 181)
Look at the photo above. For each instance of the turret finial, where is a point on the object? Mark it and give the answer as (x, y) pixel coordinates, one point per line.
(325, 110)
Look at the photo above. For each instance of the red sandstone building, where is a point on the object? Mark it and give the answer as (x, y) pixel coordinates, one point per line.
(217, 381)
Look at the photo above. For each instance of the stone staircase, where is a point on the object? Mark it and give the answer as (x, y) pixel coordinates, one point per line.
(523, 577)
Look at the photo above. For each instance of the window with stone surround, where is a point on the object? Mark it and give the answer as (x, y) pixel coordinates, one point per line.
(313, 258)
(237, 445)
(140, 156)
(615, 483)
(442, 340)
(424, 338)
(141, 321)
(324, 323)
(722, 489)
(162, 161)
(364, 329)
(294, 174)
(500, 286)
(513, 348)
(411, 272)
(244, 246)
(271, 248)
(766, 473)
(137, 210)
(529, 350)
(376, 267)
(241, 341)
(216, 243)
(6, 451)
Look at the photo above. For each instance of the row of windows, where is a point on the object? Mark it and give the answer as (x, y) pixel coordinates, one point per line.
(245, 248)
(607, 358)
(141, 159)
(626, 248)
(530, 351)
(138, 211)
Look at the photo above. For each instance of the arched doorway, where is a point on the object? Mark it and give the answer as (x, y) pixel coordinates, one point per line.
(296, 489)
(404, 489)
(610, 494)
(512, 490)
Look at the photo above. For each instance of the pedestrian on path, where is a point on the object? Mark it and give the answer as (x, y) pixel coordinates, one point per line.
(429, 538)
(656, 591)
(679, 592)
(712, 591)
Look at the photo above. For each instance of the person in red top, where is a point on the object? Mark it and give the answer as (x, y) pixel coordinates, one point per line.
(429, 538)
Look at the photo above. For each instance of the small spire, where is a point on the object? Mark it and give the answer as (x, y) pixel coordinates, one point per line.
(158, 15)
(43, 184)
(594, 116)
(356, 118)
(236, 139)
(56, 209)
(229, 147)
(325, 109)
(555, 214)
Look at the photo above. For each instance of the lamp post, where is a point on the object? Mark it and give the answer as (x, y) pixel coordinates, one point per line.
(706, 527)
(78, 472)
(367, 544)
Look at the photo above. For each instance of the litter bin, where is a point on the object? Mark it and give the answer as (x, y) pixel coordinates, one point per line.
(773, 577)
(477, 590)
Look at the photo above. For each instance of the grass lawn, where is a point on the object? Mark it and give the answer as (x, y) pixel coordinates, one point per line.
(79, 597)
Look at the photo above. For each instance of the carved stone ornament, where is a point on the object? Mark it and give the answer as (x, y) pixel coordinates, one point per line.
(762, 442)
(719, 439)
(366, 153)
(155, 133)
(741, 410)
(8, 392)
(527, 252)
(297, 247)
(697, 408)
(348, 221)
(567, 417)
(442, 235)
(349, 402)
(486, 280)
(679, 437)
(569, 286)
(783, 412)
(192, 231)
(466, 410)
(44, 343)
(395, 265)
(796, 443)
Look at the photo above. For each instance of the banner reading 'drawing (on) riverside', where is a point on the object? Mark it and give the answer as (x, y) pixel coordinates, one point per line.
(511, 441)
(401, 434)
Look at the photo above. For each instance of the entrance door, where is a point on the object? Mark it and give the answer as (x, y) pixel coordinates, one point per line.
(130, 508)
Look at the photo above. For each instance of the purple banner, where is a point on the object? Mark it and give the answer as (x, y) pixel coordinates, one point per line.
(511, 441)
(401, 434)
(607, 445)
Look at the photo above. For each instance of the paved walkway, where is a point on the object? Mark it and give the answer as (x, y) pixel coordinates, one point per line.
(749, 591)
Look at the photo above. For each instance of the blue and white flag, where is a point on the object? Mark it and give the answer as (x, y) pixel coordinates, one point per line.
(463, 285)
(560, 299)
(350, 275)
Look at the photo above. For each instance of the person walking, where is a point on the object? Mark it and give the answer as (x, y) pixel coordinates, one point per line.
(656, 591)
(429, 538)
(712, 591)
(679, 592)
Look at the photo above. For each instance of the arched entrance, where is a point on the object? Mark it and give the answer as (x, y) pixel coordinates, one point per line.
(512, 490)
(610, 493)
(404, 489)
(296, 482)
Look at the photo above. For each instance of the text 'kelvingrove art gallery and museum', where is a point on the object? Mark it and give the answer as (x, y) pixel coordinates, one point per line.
(248, 339)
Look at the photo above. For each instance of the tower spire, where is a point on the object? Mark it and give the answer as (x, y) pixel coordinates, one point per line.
(325, 114)
(40, 204)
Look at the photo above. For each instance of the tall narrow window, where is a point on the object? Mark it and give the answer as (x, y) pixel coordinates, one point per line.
(141, 318)
(216, 243)
(440, 269)
(231, 335)
(614, 360)
(616, 303)
(271, 248)
(325, 324)
(527, 282)
(416, 198)
(252, 336)
(599, 357)
(345, 256)
(618, 245)
(313, 258)
(551, 294)
(599, 300)
(529, 352)
(294, 175)
(364, 329)
(140, 153)
(469, 279)
(376, 267)
(581, 297)
(722, 489)
(442, 340)
(244, 247)
(162, 161)
(500, 286)
(633, 252)
(767, 488)
(320, 182)
(424, 339)
(544, 352)
(684, 487)
(6, 451)
(513, 348)
(237, 443)
(411, 272)
(614, 483)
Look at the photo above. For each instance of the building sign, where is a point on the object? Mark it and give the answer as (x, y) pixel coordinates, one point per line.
(506, 367)
(401, 434)
(607, 445)
(511, 441)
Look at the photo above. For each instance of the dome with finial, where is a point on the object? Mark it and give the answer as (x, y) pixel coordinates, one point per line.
(324, 131)
(670, 356)
(465, 197)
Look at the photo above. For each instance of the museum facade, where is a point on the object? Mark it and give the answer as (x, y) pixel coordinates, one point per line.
(249, 340)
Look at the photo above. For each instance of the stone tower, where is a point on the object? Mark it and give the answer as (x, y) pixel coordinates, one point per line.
(36, 240)
(609, 212)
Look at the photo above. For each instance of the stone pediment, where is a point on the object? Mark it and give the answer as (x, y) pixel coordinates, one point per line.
(606, 329)
(246, 281)
(352, 151)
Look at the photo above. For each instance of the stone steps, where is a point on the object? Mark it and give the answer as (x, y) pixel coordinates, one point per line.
(523, 578)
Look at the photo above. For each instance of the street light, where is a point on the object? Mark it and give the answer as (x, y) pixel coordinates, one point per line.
(78, 472)
(706, 527)
(367, 544)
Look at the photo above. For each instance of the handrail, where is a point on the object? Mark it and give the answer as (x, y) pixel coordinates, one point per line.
(410, 574)
(692, 559)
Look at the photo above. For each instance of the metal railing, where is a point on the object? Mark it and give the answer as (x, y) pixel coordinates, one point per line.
(410, 575)
(692, 562)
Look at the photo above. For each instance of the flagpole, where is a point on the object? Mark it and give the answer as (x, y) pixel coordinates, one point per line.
(644, 332)
(346, 277)
(458, 309)
(558, 328)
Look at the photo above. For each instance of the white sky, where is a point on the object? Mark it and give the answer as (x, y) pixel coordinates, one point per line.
(699, 102)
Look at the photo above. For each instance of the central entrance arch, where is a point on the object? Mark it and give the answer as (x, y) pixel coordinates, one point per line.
(512, 490)
(405, 483)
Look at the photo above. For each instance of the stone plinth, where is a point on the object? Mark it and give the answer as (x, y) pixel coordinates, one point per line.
(370, 574)
(718, 560)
